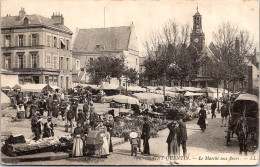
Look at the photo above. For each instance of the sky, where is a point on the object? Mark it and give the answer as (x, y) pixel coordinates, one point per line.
(147, 15)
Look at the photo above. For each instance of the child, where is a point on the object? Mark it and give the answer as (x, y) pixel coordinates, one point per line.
(135, 142)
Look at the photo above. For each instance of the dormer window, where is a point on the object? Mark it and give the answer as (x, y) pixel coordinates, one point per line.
(98, 46)
(26, 21)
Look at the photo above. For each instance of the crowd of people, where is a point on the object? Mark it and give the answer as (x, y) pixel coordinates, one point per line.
(78, 114)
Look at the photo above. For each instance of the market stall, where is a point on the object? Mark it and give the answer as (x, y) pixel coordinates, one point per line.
(55, 87)
(190, 94)
(5, 101)
(192, 89)
(133, 88)
(120, 99)
(35, 88)
(149, 98)
(176, 89)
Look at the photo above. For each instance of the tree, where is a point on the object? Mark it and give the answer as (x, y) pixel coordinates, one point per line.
(168, 53)
(105, 67)
(132, 75)
(232, 46)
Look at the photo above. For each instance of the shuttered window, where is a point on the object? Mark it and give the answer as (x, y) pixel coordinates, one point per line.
(48, 41)
(29, 61)
(35, 39)
(35, 60)
(30, 40)
(21, 40)
(16, 40)
(24, 61)
(25, 41)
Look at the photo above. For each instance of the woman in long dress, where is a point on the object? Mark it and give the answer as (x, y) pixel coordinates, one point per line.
(104, 134)
(78, 145)
(173, 148)
(202, 118)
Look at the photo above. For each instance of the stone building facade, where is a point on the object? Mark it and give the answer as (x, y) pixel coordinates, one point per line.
(111, 41)
(37, 48)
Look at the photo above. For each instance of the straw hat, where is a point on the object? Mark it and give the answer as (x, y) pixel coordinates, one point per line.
(133, 135)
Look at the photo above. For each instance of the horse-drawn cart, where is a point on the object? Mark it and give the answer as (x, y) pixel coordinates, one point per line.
(243, 121)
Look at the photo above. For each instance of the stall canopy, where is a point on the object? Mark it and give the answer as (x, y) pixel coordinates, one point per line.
(107, 86)
(172, 94)
(55, 87)
(17, 87)
(176, 89)
(208, 90)
(166, 88)
(91, 86)
(35, 87)
(120, 99)
(249, 97)
(132, 88)
(192, 89)
(5, 99)
(149, 98)
(194, 94)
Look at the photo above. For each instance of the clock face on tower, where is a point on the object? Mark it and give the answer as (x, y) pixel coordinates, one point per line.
(196, 40)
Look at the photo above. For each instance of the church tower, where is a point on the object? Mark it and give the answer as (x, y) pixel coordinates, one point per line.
(197, 37)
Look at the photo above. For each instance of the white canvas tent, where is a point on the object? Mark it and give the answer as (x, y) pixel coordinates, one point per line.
(5, 99)
(132, 88)
(192, 89)
(120, 99)
(194, 94)
(176, 89)
(34, 87)
(107, 86)
(149, 98)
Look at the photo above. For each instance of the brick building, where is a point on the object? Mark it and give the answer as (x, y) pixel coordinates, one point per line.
(37, 48)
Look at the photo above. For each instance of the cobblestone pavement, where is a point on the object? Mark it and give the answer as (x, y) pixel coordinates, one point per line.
(203, 148)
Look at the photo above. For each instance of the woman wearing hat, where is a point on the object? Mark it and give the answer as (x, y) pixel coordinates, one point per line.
(78, 145)
(146, 136)
(173, 148)
(103, 129)
(202, 118)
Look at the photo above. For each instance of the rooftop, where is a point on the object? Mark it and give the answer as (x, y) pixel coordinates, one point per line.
(33, 20)
(102, 39)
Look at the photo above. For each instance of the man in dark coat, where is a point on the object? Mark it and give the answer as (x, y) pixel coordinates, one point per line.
(49, 104)
(81, 117)
(213, 108)
(36, 126)
(182, 136)
(70, 117)
(146, 136)
(48, 129)
(42, 106)
(85, 108)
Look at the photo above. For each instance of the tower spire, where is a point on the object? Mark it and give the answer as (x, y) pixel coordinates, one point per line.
(197, 6)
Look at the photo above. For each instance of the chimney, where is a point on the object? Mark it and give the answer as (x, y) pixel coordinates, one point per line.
(22, 13)
(57, 18)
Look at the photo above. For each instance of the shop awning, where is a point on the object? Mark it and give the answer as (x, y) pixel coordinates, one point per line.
(35, 87)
